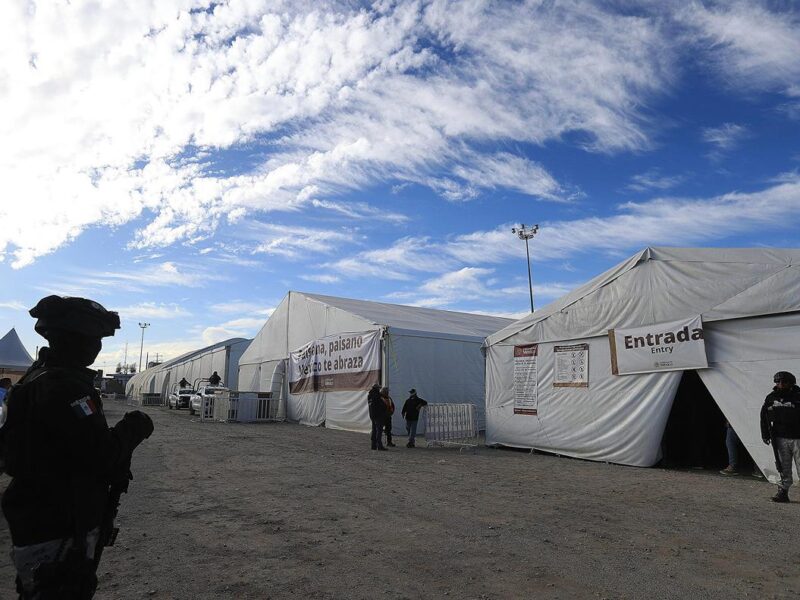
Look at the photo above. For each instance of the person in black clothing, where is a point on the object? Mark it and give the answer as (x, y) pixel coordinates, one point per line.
(387, 423)
(215, 379)
(410, 413)
(62, 455)
(780, 426)
(183, 383)
(377, 414)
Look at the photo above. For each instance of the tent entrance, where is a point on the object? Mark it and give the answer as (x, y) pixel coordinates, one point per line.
(694, 437)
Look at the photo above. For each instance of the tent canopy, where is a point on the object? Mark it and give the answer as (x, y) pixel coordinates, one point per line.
(749, 301)
(13, 355)
(666, 284)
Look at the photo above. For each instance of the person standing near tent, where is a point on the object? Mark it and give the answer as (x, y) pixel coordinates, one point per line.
(183, 383)
(780, 426)
(387, 422)
(732, 446)
(377, 415)
(410, 413)
(64, 459)
(215, 379)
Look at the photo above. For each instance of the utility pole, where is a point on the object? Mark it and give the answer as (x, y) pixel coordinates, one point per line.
(524, 233)
(141, 347)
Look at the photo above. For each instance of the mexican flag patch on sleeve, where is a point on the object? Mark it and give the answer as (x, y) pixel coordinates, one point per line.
(83, 407)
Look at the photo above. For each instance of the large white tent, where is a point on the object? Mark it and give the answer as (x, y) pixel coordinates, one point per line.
(435, 351)
(748, 300)
(14, 359)
(222, 357)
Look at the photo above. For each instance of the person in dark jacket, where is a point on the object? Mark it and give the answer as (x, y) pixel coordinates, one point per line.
(62, 455)
(183, 383)
(215, 379)
(780, 426)
(377, 414)
(410, 413)
(387, 423)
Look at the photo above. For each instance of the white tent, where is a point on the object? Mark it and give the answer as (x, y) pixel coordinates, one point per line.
(222, 357)
(748, 300)
(13, 356)
(435, 351)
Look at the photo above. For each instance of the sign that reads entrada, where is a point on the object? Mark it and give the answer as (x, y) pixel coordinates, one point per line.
(349, 361)
(673, 346)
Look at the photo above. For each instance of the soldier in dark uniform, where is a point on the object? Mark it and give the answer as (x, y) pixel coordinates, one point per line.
(215, 379)
(62, 455)
(377, 415)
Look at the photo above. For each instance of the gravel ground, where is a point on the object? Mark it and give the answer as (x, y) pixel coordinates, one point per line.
(283, 511)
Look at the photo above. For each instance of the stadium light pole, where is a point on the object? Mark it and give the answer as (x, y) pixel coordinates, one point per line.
(141, 347)
(526, 233)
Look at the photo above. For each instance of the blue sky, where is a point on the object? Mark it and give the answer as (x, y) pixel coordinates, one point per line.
(187, 165)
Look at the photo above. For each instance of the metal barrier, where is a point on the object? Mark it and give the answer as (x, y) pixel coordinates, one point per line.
(243, 407)
(145, 399)
(451, 424)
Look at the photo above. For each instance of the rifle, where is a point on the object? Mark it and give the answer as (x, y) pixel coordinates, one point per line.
(108, 528)
(774, 449)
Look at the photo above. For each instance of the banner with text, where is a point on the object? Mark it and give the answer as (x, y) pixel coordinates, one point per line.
(673, 346)
(526, 380)
(572, 366)
(349, 361)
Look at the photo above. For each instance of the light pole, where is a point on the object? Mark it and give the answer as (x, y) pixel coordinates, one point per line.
(143, 326)
(524, 233)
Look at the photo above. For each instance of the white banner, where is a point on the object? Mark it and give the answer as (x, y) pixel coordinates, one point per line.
(674, 346)
(526, 380)
(349, 361)
(572, 366)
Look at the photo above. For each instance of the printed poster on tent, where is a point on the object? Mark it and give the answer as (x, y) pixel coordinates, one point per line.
(526, 380)
(349, 361)
(673, 346)
(572, 365)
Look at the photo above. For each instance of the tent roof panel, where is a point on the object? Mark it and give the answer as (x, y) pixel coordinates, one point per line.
(663, 284)
(416, 318)
(13, 354)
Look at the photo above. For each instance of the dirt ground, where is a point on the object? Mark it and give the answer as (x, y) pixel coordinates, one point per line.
(284, 511)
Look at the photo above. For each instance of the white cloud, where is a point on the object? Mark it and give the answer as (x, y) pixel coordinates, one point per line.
(725, 137)
(754, 43)
(653, 179)
(322, 278)
(114, 112)
(161, 274)
(153, 310)
(294, 241)
(662, 221)
(13, 305)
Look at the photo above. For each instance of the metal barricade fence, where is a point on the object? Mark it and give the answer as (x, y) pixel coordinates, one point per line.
(451, 424)
(243, 407)
(144, 399)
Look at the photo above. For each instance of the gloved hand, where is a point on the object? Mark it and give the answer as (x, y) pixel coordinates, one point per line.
(140, 423)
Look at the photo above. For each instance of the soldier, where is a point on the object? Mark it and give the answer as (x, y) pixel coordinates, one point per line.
(780, 426)
(62, 455)
(377, 415)
(215, 379)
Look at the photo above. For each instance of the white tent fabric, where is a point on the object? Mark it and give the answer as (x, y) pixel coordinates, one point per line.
(437, 352)
(13, 356)
(222, 357)
(749, 302)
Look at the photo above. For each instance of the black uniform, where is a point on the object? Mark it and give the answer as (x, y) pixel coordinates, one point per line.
(215, 379)
(377, 414)
(62, 455)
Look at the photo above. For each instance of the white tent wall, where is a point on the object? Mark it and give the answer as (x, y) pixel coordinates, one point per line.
(269, 344)
(441, 369)
(618, 419)
(743, 356)
(231, 373)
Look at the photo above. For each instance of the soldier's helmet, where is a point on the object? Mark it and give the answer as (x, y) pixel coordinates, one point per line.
(784, 377)
(76, 315)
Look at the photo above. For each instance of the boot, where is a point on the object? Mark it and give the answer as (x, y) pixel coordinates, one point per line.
(781, 496)
(410, 445)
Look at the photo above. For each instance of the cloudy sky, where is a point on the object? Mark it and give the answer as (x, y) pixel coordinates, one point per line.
(188, 162)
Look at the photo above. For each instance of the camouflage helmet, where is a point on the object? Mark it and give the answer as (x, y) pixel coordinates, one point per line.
(76, 315)
(785, 377)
